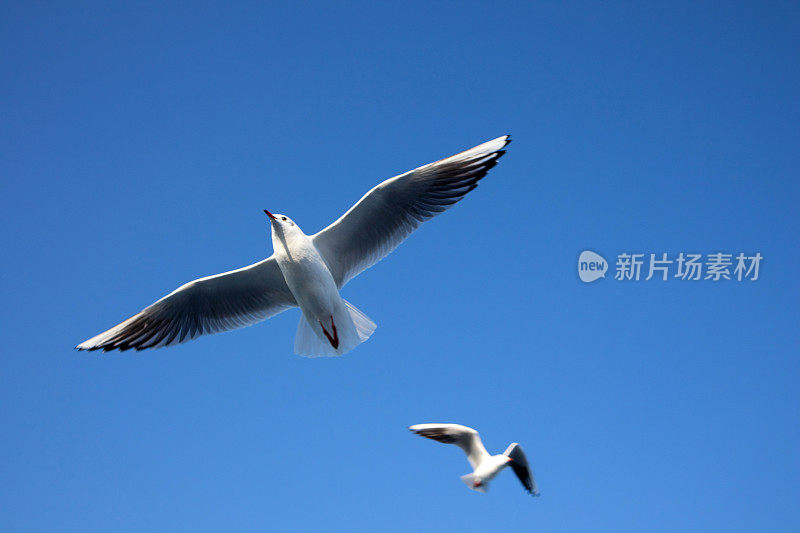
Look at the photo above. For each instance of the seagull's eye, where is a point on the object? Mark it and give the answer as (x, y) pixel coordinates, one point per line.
(283, 218)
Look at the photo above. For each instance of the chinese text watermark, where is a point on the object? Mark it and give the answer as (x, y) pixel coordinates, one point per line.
(716, 266)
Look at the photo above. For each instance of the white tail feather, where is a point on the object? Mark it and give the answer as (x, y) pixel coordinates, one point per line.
(364, 326)
(353, 328)
(469, 481)
(308, 344)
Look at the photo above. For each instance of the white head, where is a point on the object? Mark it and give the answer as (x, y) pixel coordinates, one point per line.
(282, 226)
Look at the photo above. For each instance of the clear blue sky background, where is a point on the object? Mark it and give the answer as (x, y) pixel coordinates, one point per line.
(139, 144)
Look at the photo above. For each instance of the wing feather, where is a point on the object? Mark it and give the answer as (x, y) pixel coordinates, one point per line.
(392, 210)
(204, 306)
(519, 463)
(462, 436)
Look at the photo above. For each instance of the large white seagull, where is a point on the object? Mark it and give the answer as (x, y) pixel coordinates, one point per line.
(308, 271)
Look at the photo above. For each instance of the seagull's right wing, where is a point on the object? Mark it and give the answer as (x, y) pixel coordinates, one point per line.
(388, 213)
(519, 463)
(465, 438)
(208, 305)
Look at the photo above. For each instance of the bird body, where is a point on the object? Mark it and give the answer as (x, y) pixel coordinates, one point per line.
(308, 271)
(486, 471)
(327, 326)
(485, 467)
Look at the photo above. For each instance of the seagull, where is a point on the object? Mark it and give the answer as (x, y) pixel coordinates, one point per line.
(308, 271)
(485, 467)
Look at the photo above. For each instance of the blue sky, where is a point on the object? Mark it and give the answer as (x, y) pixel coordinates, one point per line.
(140, 143)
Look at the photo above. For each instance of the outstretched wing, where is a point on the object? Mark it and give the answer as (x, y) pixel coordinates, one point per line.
(208, 305)
(392, 210)
(519, 463)
(465, 438)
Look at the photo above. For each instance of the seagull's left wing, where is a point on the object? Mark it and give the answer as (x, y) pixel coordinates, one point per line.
(519, 463)
(208, 305)
(462, 436)
(388, 213)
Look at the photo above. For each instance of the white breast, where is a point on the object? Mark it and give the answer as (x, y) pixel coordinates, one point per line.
(306, 273)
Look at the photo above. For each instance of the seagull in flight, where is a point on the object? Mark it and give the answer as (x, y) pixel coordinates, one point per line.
(308, 271)
(485, 467)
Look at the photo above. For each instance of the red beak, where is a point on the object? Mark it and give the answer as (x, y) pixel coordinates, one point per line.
(270, 215)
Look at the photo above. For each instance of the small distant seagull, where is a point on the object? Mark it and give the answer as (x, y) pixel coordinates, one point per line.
(485, 467)
(308, 271)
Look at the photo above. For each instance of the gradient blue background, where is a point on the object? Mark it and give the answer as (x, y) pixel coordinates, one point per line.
(138, 146)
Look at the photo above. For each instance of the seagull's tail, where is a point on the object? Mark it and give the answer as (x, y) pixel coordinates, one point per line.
(475, 484)
(353, 328)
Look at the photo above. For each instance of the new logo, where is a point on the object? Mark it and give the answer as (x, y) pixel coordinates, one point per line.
(591, 266)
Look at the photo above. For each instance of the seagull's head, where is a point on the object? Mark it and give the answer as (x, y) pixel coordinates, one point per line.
(282, 226)
(281, 221)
